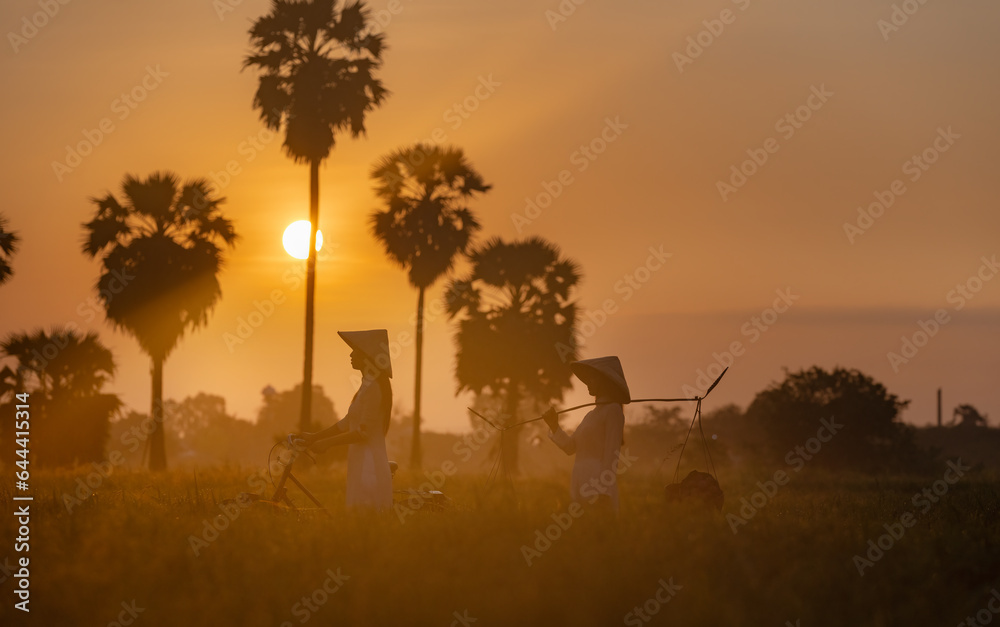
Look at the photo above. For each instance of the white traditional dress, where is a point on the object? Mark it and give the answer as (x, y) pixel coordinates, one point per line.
(596, 443)
(369, 481)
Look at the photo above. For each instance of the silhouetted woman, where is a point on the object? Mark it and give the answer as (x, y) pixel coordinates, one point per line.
(363, 429)
(598, 440)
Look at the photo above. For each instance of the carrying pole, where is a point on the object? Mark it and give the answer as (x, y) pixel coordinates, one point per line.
(698, 399)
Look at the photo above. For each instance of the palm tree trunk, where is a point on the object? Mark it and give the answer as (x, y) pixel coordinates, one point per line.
(416, 454)
(157, 441)
(305, 417)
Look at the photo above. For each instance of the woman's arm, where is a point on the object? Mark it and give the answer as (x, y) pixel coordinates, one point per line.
(562, 439)
(614, 433)
(351, 437)
(340, 432)
(331, 431)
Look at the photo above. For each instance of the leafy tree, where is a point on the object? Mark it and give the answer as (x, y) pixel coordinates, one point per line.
(516, 326)
(195, 413)
(666, 418)
(160, 250)
(872, 436)
(317, 62)
(130, 433)
(8, 246)
(208, 433)
(279, 411)
(425, 225)
(968, 416)
(64, 373)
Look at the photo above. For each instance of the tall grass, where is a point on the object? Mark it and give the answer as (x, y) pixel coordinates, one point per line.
(792, 561)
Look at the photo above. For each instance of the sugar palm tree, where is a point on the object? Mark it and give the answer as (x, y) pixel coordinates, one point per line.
(8, 246)
(517, 325)
(317, 62)
(425, 225)
(64, 372)
(60, 361)
(161, 253)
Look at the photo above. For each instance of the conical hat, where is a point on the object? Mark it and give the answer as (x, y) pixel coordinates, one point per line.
(608, 369)
(374, 344)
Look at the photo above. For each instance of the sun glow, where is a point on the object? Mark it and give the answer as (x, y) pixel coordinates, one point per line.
(296, 239)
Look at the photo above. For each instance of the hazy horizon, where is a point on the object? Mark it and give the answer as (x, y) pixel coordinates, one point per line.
(545, 88)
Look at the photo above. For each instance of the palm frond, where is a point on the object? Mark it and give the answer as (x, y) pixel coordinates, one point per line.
(317, 65)
(517, 324)
(423, 227)
(159, 281)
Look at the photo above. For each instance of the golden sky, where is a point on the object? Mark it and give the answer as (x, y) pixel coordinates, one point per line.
(670, 118)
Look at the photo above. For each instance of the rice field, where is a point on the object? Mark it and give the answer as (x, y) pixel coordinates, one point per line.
(179, 549)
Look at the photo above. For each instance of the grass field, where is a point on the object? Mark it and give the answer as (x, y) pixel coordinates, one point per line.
(130, 546)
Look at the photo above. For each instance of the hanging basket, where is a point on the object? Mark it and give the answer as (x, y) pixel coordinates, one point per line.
(697, 488)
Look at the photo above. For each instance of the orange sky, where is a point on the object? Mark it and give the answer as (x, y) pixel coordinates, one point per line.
(552, 91)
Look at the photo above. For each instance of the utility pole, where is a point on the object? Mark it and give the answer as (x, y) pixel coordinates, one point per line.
(939, 407)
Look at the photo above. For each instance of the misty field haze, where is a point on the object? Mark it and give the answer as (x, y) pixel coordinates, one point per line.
(791, 562)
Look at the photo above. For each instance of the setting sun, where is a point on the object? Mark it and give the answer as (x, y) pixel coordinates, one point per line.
(296, 239)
